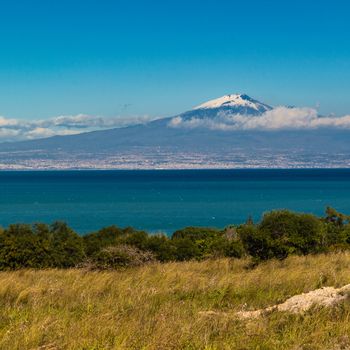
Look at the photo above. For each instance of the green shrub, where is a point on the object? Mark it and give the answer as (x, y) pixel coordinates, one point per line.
(281, 233)
(67, 246)
(196, 233)
(137, 239)
(105, 237)
(162, 247)
(206, 242)
(40, 246)
(234, 249)
(21, 247)
(185, 249)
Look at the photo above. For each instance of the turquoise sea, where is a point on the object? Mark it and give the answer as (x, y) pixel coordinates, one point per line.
(166, 200)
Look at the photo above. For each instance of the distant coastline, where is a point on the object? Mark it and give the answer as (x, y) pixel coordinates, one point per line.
(218, 167)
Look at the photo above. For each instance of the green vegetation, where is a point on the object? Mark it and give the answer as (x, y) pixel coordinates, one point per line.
(278, 235)
(125, 289)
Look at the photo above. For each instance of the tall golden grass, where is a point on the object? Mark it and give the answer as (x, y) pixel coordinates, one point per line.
(161, 306)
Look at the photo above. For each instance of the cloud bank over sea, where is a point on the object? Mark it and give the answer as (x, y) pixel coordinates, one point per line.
(279, 118)
(16, 129)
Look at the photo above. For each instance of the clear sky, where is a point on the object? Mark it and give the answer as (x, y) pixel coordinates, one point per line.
(159, 58)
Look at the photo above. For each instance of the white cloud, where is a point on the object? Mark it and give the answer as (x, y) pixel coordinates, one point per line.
(46, 132)
(5, 122)
(8, 133)
(89, 121)
(279, 118)
(17, 129)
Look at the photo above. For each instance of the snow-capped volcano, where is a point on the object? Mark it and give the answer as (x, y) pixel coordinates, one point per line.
(235, 101)
(227, 105)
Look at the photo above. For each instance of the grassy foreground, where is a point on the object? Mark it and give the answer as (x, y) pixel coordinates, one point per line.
(160, 306)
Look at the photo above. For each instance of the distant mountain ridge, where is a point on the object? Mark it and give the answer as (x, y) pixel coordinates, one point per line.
(158, 144)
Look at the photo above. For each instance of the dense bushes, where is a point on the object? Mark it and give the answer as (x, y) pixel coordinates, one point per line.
(281, 233)
(40, 246)
(198, 242)
(277, 235)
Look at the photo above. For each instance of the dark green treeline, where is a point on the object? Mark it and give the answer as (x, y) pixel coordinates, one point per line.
(277, 235)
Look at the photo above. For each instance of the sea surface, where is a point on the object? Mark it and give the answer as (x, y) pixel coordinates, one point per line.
(163, 201)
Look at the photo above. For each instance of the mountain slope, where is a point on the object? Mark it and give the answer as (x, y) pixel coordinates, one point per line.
(152, 133)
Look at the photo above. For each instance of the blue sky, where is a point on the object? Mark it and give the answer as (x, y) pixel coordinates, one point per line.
(159, 58)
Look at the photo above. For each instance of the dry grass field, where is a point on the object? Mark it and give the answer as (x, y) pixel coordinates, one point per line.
(164, 306)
